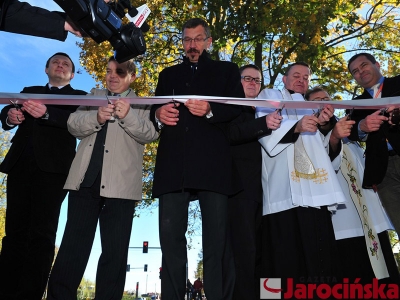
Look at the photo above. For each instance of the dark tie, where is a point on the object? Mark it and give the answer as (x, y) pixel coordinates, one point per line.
(194, 67)
(54, 88)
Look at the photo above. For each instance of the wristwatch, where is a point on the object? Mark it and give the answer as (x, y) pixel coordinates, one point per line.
(45, 116)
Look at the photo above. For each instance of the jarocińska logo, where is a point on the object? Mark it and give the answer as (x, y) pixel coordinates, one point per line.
(271, 288)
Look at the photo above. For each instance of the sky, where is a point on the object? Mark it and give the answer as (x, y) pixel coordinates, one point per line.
(22, 63)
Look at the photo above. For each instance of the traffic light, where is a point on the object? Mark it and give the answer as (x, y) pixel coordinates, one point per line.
(145, 247)
(145, 268)
(128, 268)
(160, 273)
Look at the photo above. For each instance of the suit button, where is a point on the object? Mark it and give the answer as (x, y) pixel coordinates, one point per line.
(187, 129)
(187, 84)
(102, 186)
(106, 151)
(97, 127)
(122, 122)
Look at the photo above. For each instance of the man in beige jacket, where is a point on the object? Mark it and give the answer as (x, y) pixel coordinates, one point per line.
(105, 181)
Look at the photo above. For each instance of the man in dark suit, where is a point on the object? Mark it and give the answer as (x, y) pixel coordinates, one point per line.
(37, 165)
(194, 162)
(382, 161)
(21, 17)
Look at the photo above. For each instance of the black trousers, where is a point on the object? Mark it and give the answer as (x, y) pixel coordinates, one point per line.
(355, 261)
(218, 262)
(85, 208)
(34, 199)
(299, 243)
(245, 231)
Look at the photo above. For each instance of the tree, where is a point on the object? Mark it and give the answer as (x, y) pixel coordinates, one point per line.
(4, 146)
(86, 289)
(271, 34)
(199, 269)
(323, 33)
(394, 242)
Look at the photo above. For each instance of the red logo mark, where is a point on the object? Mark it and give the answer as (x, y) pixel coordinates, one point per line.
(272, 290)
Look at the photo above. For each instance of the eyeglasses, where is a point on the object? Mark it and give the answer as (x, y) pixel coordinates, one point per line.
(322, 99)
(196, 40)
(250, 79)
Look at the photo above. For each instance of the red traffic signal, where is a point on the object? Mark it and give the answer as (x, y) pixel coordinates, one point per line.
(145, 247)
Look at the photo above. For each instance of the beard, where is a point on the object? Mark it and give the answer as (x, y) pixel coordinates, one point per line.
(192, 53)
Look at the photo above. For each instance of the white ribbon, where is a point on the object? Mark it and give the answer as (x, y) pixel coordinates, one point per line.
(19, 98)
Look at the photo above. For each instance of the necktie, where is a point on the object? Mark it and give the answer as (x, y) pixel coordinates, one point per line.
(194, 68)
(54, 88)
(377, 93)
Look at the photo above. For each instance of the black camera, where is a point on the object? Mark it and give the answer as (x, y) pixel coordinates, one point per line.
(102, 21)
(395, 117)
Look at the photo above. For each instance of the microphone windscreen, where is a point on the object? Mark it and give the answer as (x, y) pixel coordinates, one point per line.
(133, 12)
(145, 27)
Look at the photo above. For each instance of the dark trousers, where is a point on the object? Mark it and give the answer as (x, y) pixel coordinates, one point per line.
(34, 199)
(218, 262)
(355, 261)
(85, 208)
(299, 243)
(389, 191)
(245, 231)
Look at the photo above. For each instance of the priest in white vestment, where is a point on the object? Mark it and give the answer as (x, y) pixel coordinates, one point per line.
(300, 188)
(361, 223)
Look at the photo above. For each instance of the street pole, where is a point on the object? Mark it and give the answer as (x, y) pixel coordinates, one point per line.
(147, 276)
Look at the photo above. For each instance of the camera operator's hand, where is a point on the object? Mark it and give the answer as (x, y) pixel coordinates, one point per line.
(71, 27)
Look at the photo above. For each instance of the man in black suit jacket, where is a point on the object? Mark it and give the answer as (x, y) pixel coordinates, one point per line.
(37, 165)
(194, 162)
(21, 17)
(382, 161)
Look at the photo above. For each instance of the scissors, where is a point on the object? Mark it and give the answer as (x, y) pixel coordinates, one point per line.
(279, 110)
(112, 118)
(349, 115)
(17, 107)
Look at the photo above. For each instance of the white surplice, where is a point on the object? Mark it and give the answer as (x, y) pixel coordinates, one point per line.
(283, 189)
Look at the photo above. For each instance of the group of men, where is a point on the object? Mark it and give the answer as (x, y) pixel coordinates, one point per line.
(104, 180)
(281, 163)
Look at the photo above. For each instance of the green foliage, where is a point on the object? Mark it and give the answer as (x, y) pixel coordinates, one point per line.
(4, 146)
(199, 269)
(394, 242)
(271, 34)
(86, 289)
